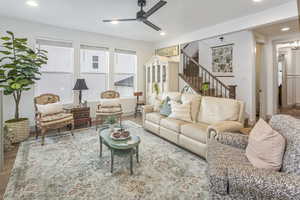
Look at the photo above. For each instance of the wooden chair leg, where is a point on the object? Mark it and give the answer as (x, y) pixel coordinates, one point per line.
(72, 128)
(36, 132)
(43, 136)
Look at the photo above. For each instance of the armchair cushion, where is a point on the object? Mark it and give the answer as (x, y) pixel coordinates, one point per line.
(50, 108)
(55, 119)
(261, 183)
(109, 110)
(220, 157)
(107, 103)
(226, 126)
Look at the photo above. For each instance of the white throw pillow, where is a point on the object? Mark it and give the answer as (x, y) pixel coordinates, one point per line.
(50, 108)
(195, 100)
(265, 147)
(105, 103)
(181, 111)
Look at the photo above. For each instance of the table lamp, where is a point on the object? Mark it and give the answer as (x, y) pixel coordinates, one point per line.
(80, 85)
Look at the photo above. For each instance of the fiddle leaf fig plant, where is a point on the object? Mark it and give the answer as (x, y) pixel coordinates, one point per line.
(19, 66)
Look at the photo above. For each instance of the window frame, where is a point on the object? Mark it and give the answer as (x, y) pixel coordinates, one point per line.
(51, 42)
(128, 52)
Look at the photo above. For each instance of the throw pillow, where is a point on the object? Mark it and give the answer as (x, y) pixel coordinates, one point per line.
(51, 108)
(165, 108)
(108, 103)
(181, 111)
(265, 147)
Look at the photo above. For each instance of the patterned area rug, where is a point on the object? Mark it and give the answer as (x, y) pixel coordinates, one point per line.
(69, 168)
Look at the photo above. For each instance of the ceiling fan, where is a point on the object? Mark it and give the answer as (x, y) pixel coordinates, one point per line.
(142, 16)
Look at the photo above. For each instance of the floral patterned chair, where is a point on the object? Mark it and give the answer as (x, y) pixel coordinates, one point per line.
(232, 176)
(51, 121)
(109, 106)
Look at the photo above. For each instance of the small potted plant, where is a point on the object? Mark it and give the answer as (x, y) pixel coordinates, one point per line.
(19, 69)
(111, 121)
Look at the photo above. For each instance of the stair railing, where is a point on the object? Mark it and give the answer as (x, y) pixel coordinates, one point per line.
(198, 76)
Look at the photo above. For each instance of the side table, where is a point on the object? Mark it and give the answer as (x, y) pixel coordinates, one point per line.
(81, 115)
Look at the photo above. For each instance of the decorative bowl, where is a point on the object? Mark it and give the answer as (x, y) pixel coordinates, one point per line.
(120, 135)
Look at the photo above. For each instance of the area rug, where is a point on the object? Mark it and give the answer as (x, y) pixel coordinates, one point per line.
(69, 168)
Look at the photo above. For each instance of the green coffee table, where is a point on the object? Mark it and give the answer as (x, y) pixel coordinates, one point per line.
(125, 147)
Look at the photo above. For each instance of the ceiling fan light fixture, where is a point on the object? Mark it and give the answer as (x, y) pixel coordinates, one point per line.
(162, 33)
(114, 22)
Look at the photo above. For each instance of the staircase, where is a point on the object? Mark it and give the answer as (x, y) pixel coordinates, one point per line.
(202, 81)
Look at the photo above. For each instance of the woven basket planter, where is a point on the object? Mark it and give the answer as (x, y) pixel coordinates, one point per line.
(17, 131)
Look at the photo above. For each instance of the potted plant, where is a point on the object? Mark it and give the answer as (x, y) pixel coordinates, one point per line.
(19, 69)
(111, 121)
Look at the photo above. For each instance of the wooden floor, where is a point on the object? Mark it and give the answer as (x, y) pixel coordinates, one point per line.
(9, 160)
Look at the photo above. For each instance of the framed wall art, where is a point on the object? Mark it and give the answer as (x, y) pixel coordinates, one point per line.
(222, 58)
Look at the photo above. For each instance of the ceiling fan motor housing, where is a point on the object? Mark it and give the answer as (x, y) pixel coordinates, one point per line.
(141, 3)
(140, 15)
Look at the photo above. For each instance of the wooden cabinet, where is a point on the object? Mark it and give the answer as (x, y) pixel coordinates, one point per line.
(81, 115)
(164, 72)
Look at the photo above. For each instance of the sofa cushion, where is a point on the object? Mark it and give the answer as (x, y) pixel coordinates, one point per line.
(219, 158)
(154, 117)
(195, 100)
(172, 124)
(181, 111)
(195, 131)
(265, 147)
(214, 110)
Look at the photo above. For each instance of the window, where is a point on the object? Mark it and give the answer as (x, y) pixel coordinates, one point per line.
(94, 64)
(57, 74)
(125, 72)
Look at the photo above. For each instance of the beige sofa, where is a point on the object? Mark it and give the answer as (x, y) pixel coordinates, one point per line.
(209, 114)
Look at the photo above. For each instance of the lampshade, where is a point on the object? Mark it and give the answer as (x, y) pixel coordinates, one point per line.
(80, 85)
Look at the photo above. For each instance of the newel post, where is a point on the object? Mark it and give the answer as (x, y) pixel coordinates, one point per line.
(232, 91)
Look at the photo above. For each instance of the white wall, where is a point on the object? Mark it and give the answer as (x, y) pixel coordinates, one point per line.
(243, 65)
(32, 31)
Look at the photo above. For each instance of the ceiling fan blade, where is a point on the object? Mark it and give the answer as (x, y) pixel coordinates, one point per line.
(155, 8)
(152, 25)
(118, 20)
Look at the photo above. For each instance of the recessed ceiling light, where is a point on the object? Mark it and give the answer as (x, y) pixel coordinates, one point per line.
(162, 33)
(285, 29)
(114, 22)
(32, 3)
(257, 1)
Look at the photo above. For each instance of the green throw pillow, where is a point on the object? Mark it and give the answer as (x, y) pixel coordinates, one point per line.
(165, 107)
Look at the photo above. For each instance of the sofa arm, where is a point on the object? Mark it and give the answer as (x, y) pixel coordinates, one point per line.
(225, 126)
(148, 108)
(236, 140)
(264, 183)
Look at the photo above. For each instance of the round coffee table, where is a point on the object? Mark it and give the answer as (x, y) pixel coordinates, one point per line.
(124, 147)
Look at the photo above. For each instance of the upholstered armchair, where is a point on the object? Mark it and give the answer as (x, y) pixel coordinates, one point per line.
(49, 116)
(232, 176)
(109, 106)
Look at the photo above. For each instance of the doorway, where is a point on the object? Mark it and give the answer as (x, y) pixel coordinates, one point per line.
(288, 64)
(259, 67)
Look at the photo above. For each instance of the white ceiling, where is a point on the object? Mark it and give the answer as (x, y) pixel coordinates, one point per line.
(176, 18)
(273, 30)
